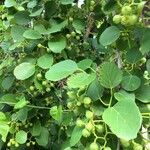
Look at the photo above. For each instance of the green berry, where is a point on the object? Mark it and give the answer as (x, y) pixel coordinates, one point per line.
(132, 19)
(89, 114)
(31, 88)
(39, 75)
(73, 34)
(78, 37)
(140, 6)
(44, 83)
(40, 45)
(107, 148)
(8, 144)
(71, 94)
(94, 146)
(28, 144)
(126, 10)
(16, 144)
(68, 36)
(79, 123)
(117, 19)
(48, 89)
(89, 126)
(70, 19)
(125, 143)
(85, 133)
(78, 103)
(87, 100)
(92, 3)
(100, 128)
(137, 146)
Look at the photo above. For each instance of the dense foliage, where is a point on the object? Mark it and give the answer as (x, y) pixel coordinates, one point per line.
(75, 77)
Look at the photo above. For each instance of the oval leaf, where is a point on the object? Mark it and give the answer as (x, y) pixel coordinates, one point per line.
(61, 70)
(32, 34)
(110, 75)
(45, 61)
(21, 137)
(24, 71)
(57, 45)
(125, 124)
(110, 35)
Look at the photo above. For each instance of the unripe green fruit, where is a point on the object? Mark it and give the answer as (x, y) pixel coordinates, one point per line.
(89, 126)
(107, 148)
(39, 75)
(117, 19)
(16, 144)
(70, 19)
(140, 6)
(73, 34)
(79, 123)
(78, 37)
(137, 146)
(124, 20)
(143, 60)
(31, 88)
(100, 128)
(92, 3)
(78, 103)
(70, 105)
(87, 100)
(125, 143)
(132, 19)
(13, 142)
(126, 10)
(89, 114)
(91, 8)
(68, 36)
(33, 143)
(85, 133)
(44, 83)
(71, 94)
(28, 144)
(8, 144)
(94, 146)
(40, 45)
(48, 89)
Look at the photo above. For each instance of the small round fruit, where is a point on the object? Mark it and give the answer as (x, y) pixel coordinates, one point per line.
(73, 34)
(16, 144)
(85, 133)
(39, 75)
(125, 143)
(33, 142)
(78, 103)
(79, 123)
(92, 3)
(28, 144)
(70, 19)
(107, 148)
(71, 94)
(91, 8)
(126, 10)
(78, 37)
(70, 105)
(143, 60)
(132, 19)
(87, 100)
(137, 146)
(89, 126)
(89, 114)
(40, 45)
(100, 128)
(124, 20)
(8, 144)
(31, 88)
(44, 83)
(68, 36)
(48, 89)
(117, 19)
(94, 146)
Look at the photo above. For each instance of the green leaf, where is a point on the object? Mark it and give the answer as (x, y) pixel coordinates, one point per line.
(79, 25)
(95, 90)
(124, 119)
(45, 61)
(148, 66)
(21, 137)
(80, 80)
(4, 129)
(2, 116)
(22, 114)
(40, 28)
(17, 33)
(76, 135)
(8, 99)
(143, 93)
(9, 3)
(24, 71)
(85, 64)
(145, 42)
(56, 45)
(22, 103)
(22, 17)
(32, 34)
(110, 75)
(44, 137)
(110, 35)
(133, 56)
(57, 27)
(66, 2)
(123, 95)
(7, 82)
(131, 82)
(56, 113)
(36, 130)
(61, 70)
